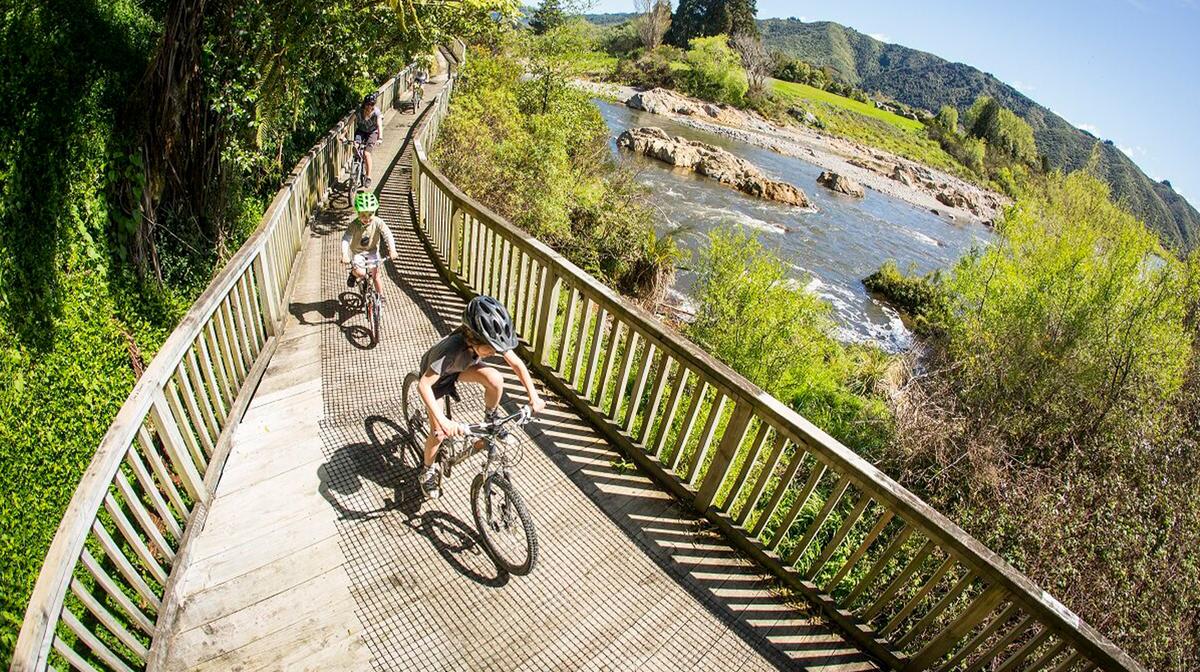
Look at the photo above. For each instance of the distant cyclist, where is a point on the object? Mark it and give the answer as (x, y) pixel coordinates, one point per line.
(486, 330)
(417, 93)
(360, 243)
(368, 128)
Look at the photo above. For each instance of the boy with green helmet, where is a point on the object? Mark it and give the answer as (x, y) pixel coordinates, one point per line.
(360, 243)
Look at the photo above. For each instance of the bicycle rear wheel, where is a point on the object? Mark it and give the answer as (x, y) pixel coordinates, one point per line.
(376, 317)
(504, 523)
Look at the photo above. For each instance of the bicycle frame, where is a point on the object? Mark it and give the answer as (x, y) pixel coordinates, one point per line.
(484, 433)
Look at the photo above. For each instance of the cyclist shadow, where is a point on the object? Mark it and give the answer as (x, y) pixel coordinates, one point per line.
(460, 546)
(387, 459)
(336, 312)
(390, 461)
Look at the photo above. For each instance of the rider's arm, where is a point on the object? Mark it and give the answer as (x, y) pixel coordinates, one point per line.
(518, 367)
(389, 240)
(379, 123)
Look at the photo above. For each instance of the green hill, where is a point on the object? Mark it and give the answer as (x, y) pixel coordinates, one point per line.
(923, 80)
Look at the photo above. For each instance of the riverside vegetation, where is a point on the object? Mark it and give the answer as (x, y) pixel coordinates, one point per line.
(733, 70)
(139, 145)
(1052, 406)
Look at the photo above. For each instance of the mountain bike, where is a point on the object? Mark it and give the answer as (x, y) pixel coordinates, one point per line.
(418, 93)
(371, 301)
(357, 170)
(500, 513)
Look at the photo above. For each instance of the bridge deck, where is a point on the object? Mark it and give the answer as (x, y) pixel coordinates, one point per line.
(319, 553)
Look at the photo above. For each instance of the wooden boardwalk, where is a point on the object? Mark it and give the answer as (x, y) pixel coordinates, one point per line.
(319, 553)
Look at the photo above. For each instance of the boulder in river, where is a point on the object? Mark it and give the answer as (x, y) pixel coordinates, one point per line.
(840, 183)
(663, 101)
(712, 161)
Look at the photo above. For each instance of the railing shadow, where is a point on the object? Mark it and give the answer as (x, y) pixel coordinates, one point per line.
(789, 634)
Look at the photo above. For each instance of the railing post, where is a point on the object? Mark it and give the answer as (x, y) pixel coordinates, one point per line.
(172, 439)
(267, 293)
(415, 187)
(456, 226)
(545, 323)
(726, 451)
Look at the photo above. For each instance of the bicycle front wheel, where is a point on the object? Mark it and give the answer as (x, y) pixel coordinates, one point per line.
(504, 523)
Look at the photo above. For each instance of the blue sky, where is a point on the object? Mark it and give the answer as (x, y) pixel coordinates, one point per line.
(1125, 70)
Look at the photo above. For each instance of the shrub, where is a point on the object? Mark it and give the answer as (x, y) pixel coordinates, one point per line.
(1058, 424)
(714, 71)
(778, 335)
(651, 69)
(921, 297)
(550, 172)
(1071, 325)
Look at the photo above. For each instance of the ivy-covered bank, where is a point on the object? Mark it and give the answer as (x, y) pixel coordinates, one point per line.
(139, 144)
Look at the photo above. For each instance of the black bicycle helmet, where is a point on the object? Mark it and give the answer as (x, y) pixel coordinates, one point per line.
(487, 318)
(369, 98)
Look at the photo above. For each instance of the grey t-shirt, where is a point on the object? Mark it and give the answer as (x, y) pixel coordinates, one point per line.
(449, 355)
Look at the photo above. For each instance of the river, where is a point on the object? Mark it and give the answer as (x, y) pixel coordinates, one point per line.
(830, 250)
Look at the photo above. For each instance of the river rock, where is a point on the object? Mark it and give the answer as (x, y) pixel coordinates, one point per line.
(957, 198)
(903, 175)
(805, 117)
(840, 183)
(662, 101)
(711, 161)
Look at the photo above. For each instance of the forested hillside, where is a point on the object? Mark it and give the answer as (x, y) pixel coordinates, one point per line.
(923, 80)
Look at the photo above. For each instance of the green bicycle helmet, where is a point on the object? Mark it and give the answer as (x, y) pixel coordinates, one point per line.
(366, 202)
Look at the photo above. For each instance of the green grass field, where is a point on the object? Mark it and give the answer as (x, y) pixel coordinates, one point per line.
(871, 126)
(806, 92)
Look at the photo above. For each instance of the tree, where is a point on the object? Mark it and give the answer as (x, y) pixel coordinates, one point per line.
(740, 15)
(705, 18)
(654, 21)
(1002, 129)
(947, 119)
(547, 17)
(755, 60)
(551, 63)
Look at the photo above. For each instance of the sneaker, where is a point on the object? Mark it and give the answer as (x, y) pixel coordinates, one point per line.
(368, 181)
(502, 435)
(350, 279)
(431, 479)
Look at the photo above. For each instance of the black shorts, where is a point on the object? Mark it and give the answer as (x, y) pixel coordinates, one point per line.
(446, 385)
(367, 138)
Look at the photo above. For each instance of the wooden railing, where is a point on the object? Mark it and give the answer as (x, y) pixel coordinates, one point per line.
(106, 586)
(906, 583)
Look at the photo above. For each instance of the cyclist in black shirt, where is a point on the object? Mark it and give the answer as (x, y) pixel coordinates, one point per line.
(486, 329)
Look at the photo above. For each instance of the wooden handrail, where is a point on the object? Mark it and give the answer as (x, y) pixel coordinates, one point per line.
(467, 241)
(197, 385)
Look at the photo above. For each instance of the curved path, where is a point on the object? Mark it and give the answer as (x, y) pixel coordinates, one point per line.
(318, 552)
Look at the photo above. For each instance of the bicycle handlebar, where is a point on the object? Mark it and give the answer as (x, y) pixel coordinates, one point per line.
(482, 430)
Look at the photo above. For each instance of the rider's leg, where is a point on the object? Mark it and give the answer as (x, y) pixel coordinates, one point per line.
(378, 281)
(431, 445)
(492, 381)
(358, 268)
(367, 163)
(358, 265)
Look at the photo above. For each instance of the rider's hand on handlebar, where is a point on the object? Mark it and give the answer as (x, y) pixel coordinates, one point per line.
(537, 404)
(449, 429)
